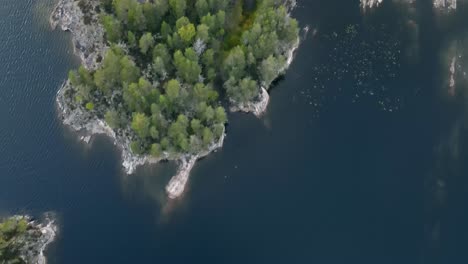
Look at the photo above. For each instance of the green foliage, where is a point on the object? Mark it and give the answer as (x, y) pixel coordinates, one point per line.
(208, 58)
(112, 119)
(270, 68)
(156, 150)
(166, 30)
(161, 51)
(173, 90)
(90, 106)
(136, 18)
(85, 76)
(210, 21)
(218, 130)
(12, 232)
(152, 18)
(187, 65)
(159, 80)
(139, 96)
(183, 21)
(202, 7)
(187, 32)
(131, 39)
(162, 6)
(112, 27)
(108, 76)
(130, 13)
(204, 93)
(141, 125)
(121, 8)
(216, 5)
(207, 136)
(220, 115)
(196, 126)
(73, 78)
(178, 7)
(146, 42)
(129, 72)
(243, 91)
(291, 31)
(203, 33)
(83, 81)
(234, 65)
(154, 133)
(178, 132)
(159, 68)
(136, 147)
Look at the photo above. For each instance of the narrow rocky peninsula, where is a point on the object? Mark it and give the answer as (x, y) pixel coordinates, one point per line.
(153, 71)
(24, 240)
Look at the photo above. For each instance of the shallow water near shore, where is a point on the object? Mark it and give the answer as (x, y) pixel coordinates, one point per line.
(328, 175)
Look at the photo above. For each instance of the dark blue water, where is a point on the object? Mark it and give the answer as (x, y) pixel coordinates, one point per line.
(344, 167)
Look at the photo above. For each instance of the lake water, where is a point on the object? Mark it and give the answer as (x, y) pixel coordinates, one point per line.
(361, 158)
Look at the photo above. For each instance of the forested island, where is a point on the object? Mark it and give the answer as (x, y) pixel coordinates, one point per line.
(155, 74)
(23, 240)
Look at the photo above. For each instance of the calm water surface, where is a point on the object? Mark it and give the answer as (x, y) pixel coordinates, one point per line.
(346, 166)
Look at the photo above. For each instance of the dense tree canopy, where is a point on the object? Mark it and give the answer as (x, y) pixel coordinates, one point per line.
(159, 79)
(11, 232)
